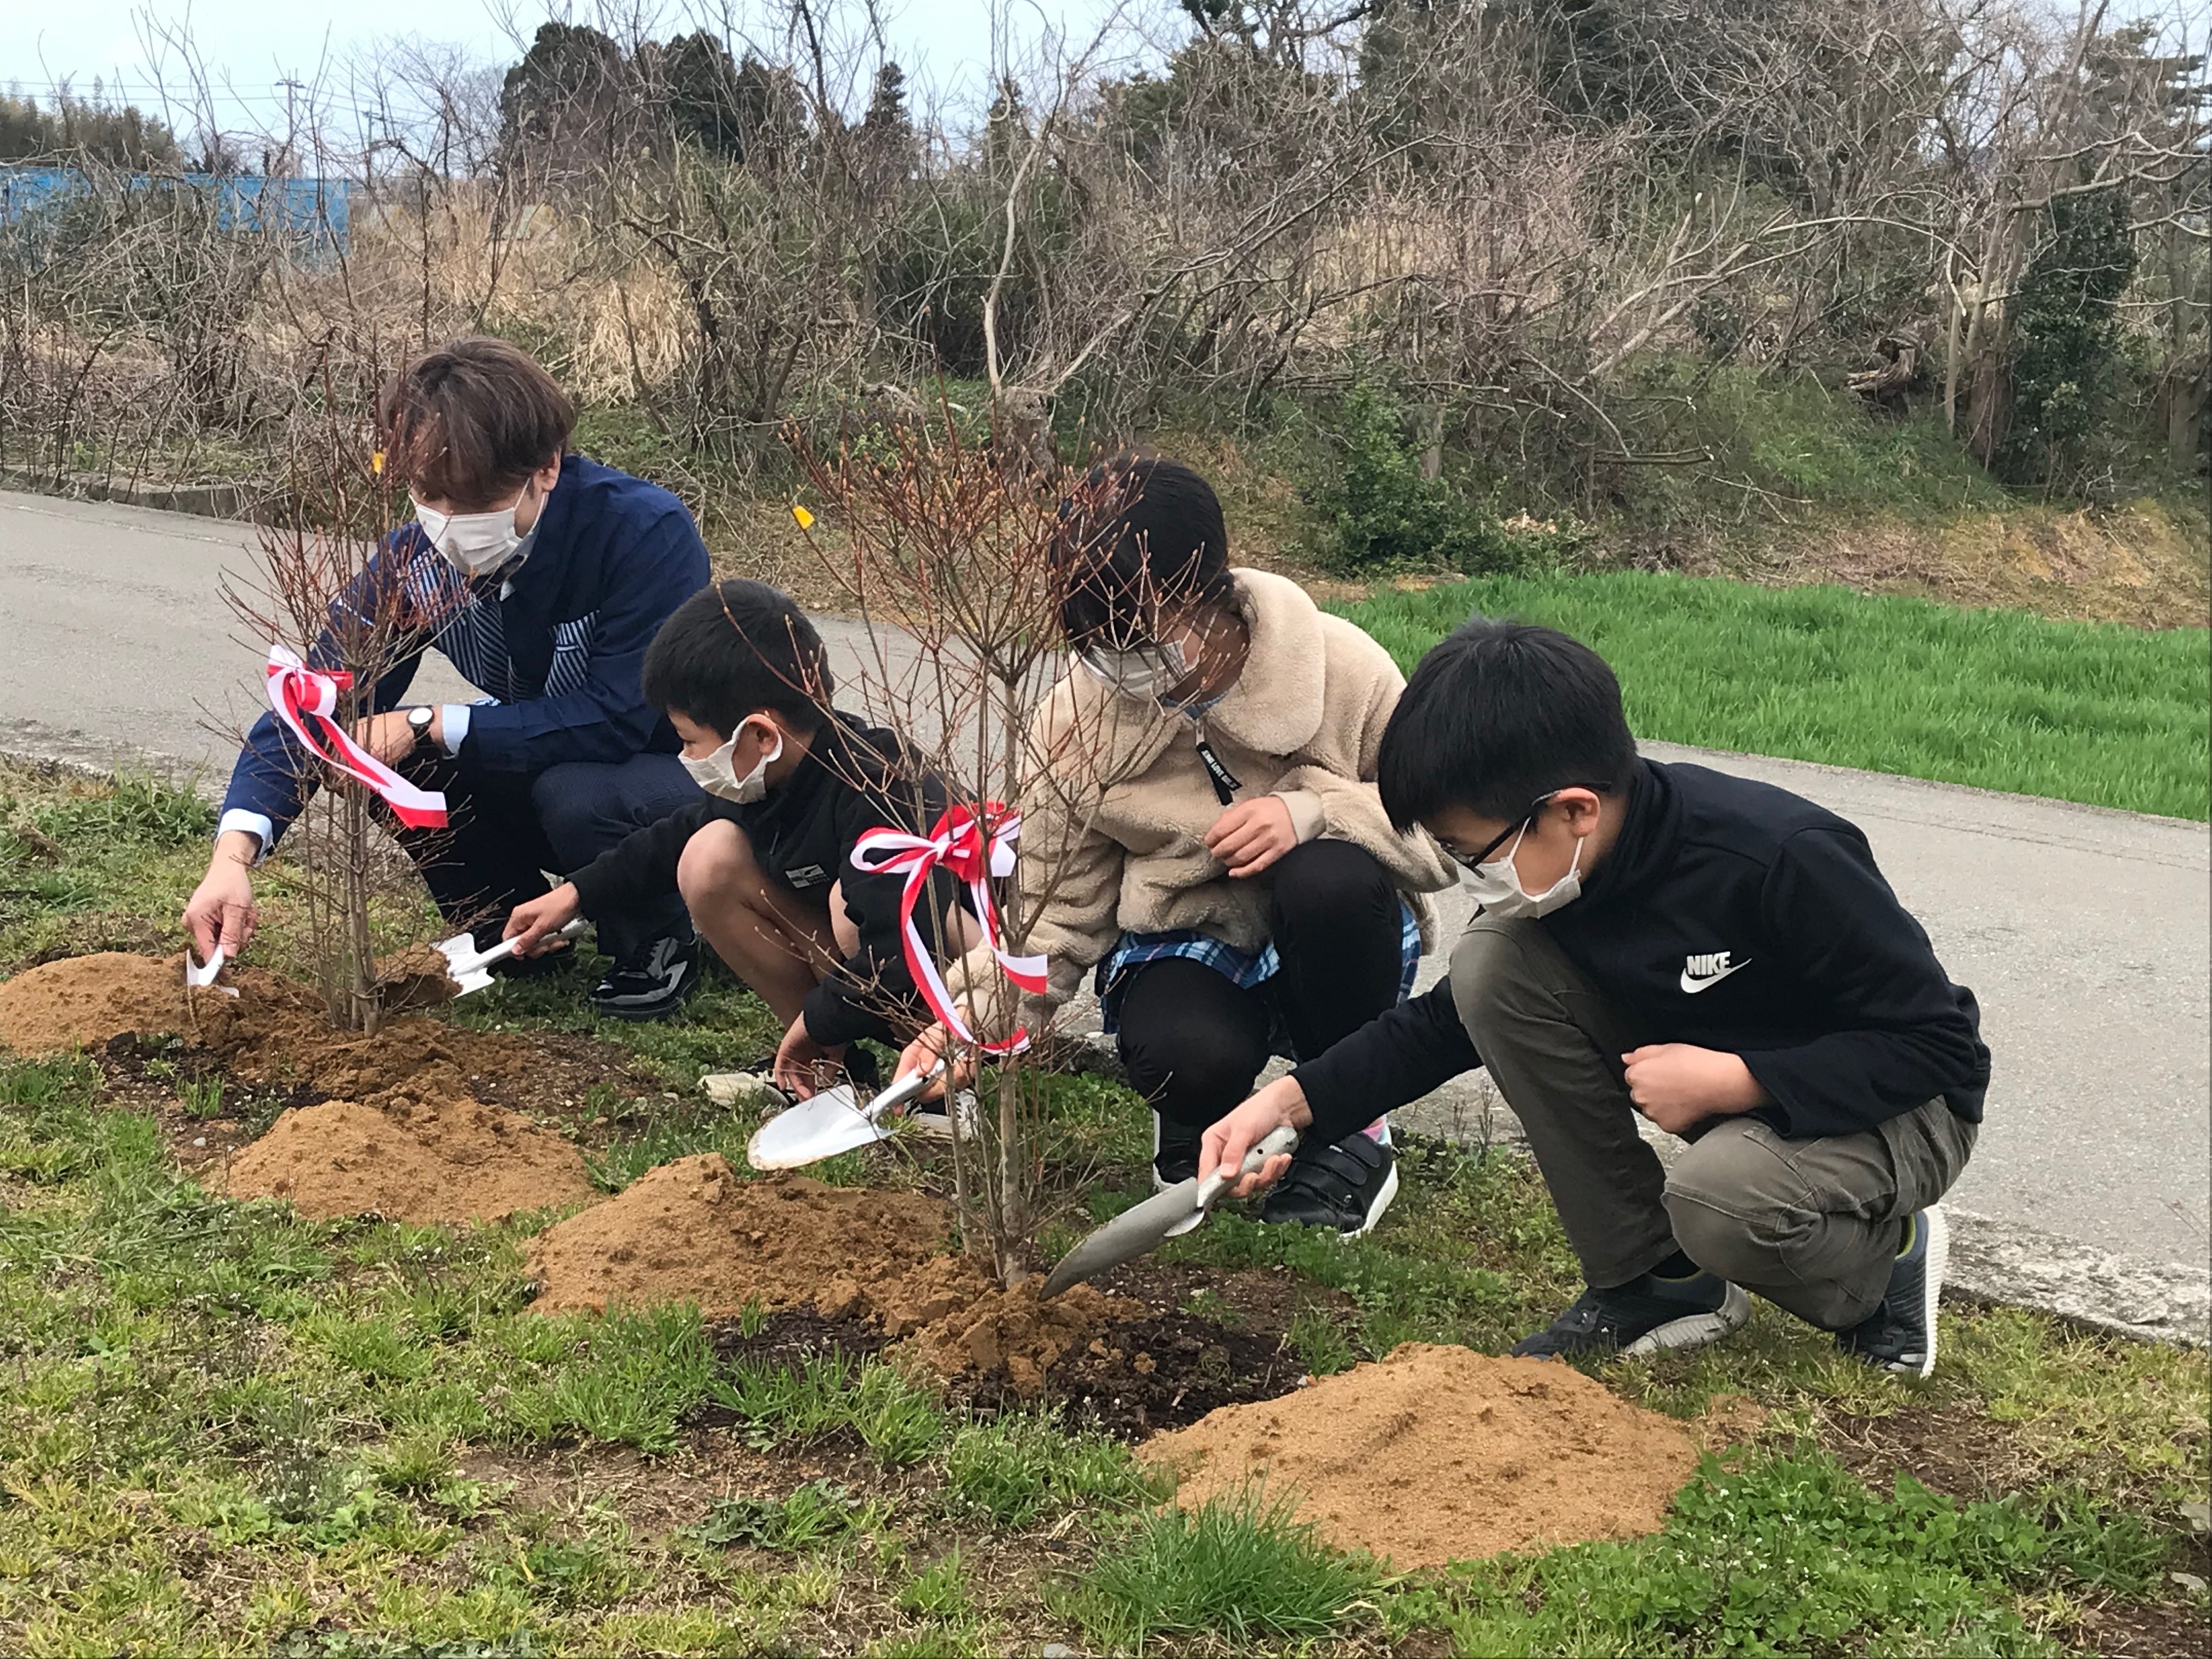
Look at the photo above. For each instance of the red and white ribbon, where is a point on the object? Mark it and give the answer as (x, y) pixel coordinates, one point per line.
(307, 700)
(961, 843)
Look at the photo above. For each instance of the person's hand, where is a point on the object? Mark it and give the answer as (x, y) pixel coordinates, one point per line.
(221, 913)
(797, 1057)
(529, 924)
(925, 1051)
(387, 736)
(1679, 1086)
(1252, 834)
(1225, 1143)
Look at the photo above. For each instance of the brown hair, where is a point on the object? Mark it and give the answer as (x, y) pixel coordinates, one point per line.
(471, 422)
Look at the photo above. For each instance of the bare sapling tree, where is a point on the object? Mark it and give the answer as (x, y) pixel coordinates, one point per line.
(958, 560)
(336, 618)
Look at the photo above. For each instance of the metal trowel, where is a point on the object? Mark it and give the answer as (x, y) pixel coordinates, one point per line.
(471, 969)
(833, 1121)
(1143, 1228)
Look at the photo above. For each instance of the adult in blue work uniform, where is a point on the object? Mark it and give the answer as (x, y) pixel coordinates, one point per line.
(543, 576)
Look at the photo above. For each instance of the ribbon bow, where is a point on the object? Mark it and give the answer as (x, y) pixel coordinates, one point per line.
(306, 699)
(960, 842)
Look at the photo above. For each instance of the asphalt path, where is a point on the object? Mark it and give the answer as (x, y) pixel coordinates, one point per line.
(2084, 932)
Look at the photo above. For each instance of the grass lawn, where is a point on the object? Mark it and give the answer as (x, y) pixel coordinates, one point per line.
(227, 1429)
(2092, 712)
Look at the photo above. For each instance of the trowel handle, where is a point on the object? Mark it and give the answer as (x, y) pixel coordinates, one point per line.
(1277, 1140)
(505, 948)
(906, 1088)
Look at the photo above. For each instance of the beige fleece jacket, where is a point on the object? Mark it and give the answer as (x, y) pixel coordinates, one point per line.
(1113, 836)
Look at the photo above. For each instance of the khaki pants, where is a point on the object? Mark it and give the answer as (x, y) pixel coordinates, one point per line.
(1810, 1225)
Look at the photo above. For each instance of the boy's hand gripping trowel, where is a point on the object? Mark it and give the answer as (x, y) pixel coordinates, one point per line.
(1143, 1228)
(471, 969)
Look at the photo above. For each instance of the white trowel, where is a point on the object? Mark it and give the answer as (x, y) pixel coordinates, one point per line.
(471, 969)
(202, 979)
(834, 1122)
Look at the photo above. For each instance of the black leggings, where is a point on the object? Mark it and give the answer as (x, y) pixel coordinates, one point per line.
(1192, 1040)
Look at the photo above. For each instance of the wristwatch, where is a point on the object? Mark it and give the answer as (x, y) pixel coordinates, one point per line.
(418, 722)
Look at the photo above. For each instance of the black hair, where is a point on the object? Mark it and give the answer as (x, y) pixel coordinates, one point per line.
(1497, 714)
(735, 649)
(1138, 535)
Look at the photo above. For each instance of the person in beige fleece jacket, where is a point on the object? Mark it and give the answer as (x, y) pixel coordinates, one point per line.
(1218, 856)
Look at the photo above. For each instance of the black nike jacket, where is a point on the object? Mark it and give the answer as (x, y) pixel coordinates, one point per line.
(851, 781)
(1732, 916)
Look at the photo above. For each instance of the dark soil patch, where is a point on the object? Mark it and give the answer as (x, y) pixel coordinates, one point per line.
(273, 1048)
(150, 1068)
(1163, 1373)
(1165, 1368)
(572, 1065)
(2171, 1627)
(1951, 1450)
(791, 1338)
(1175, 1365)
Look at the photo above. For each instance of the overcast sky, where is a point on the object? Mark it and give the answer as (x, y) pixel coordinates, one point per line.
(254, 46)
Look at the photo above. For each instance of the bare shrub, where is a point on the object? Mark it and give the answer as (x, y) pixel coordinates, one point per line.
(967, 562)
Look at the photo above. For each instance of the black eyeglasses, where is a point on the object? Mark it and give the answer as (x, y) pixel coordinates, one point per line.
(1535, 808)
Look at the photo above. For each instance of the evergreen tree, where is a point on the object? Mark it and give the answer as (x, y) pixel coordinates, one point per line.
(568, 104)
(2065, 356)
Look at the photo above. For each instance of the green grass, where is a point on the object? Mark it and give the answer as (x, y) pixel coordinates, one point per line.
(2090, 711)
(1792, 1555)
(1242, 1569)
(226, 1429)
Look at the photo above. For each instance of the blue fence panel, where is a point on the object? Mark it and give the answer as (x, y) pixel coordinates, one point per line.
(313, 210)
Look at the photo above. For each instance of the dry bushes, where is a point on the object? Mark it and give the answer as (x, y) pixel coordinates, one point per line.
(1499, 211)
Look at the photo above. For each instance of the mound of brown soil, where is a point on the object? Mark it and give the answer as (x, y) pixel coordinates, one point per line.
(274, 1030)
(958, 1321)
(693, 1230)
(420, 1161)
(80, 1002)
(1440, 1454)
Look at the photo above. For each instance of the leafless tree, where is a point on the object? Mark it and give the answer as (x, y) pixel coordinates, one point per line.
(961, 564)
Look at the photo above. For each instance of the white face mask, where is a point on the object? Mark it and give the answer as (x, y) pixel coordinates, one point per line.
(1150, 670)
(718, 774)
(474, 543)
(1495, 884)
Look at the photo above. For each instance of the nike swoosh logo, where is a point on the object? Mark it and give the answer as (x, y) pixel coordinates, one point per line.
(1692, 987)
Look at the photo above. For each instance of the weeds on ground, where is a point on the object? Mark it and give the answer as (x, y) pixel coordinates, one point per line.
(1795, 1555)
(1239, 1568)
(222, 1425)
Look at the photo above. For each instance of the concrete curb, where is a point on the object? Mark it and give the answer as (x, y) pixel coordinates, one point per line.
(203, 500)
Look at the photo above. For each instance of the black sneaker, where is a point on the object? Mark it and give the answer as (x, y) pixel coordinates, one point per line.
(1899, 1335)
(650, 983)
(1345, 1186)
(1644, 1315)
(1175, 1153)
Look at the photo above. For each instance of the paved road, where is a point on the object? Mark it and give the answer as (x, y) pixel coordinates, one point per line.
(2084, 932)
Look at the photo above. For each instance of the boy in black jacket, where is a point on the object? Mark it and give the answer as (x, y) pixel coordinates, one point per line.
(761, 857)
(1721, 956)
